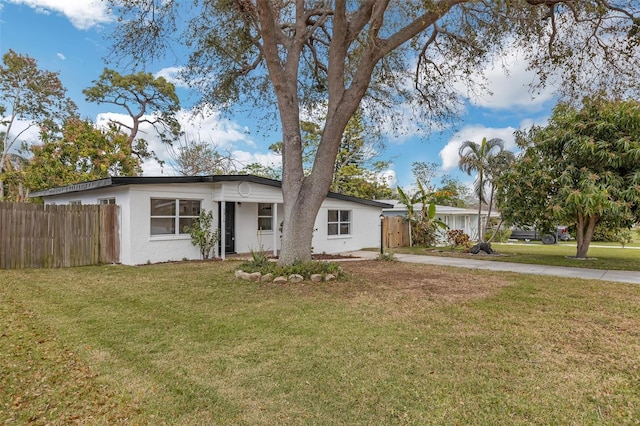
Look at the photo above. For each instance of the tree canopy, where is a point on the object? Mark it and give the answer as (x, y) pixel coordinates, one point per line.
(32, 95)
(192, 156)
(81, 153)
(146, 99)
(342, 55)
(582, 169)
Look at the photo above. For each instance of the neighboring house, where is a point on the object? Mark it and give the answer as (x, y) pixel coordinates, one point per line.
(155, 210)
(453, 217)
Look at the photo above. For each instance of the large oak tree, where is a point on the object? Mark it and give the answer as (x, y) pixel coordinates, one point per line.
(342, 55)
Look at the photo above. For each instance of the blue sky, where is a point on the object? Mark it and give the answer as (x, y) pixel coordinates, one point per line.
(70, 37)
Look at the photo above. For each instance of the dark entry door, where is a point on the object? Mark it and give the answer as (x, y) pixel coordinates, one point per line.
(229, 227)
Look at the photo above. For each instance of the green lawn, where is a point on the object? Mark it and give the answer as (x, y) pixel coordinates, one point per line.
(189, 344)
(612, 257)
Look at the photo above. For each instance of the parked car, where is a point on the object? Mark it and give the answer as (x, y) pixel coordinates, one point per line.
(530, 233)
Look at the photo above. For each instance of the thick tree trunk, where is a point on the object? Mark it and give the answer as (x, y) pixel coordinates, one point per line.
(297, 231)
(585, 228)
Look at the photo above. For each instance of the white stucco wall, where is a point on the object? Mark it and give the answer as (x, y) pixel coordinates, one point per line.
(138, 246)
(365, 228)
(248, 237)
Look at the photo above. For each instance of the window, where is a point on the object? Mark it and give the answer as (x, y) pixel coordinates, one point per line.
(265, 217)
(339, 222)
(170, 216)
(107, 201)
(75, 203)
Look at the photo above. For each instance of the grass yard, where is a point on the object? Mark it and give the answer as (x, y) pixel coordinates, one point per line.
(609, 258)
(397, 343)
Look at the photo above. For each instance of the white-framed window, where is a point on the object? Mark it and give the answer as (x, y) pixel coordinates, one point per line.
(265, 217)
(339, 222)
(107, 201)
(170, 216)
(75, 203)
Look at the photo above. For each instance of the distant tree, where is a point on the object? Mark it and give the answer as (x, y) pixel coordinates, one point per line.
(192, 156)
(357, 181)
(258, 169)
(583, 169)
(424, 172)
(14, 189)
(81, 153)
(356, 170)
(340, 56)
(145, 99)
(452, 192)
(480, 158)
(31, 95)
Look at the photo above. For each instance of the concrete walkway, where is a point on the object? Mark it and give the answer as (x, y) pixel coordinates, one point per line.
(632, 277)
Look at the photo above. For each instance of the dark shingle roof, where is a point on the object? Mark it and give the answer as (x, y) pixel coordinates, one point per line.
(112, 182)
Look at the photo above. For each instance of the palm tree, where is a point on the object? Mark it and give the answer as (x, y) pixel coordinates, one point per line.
(480, 158)
(499, 163)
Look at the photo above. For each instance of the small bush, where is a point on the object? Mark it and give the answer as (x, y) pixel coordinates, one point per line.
(458, 238)
(502, 236)
(387, 256)
(604, 233)
(425, 233)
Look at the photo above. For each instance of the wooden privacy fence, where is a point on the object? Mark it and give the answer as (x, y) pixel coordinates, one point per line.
(37, 236)
(395, 232)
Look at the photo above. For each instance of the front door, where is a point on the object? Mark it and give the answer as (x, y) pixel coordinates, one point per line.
(229, 227)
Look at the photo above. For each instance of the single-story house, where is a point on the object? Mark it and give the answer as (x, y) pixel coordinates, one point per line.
(155, 210)
(453, 217)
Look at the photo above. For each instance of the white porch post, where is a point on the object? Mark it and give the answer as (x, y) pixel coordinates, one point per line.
(223, 227)
(275, 227)
(216, 252)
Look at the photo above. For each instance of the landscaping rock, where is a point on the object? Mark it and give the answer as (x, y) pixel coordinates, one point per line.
(267, 278)
(485, 247)
(242, 275)
(296, 278)
(239, 273)
(255, 277)
(316, 278)
(280, 280)
(329, 277)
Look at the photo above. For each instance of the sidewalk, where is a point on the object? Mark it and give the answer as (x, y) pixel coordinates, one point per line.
(632, 277)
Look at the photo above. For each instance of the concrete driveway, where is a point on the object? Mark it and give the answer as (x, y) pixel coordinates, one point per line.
(632, 277)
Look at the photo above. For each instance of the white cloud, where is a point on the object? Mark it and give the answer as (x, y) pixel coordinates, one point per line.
(509, 82)
(226, 135)
(26, 131)
(268, 159)
(389, 177)
(61, 56)
(449, 154)
(172, 75)
(83, 14)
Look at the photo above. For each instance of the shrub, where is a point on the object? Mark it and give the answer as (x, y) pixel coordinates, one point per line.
(425, 233)
(502, 236)
(604, 233)
(202, 235)
(458, 238)
(387, 256)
